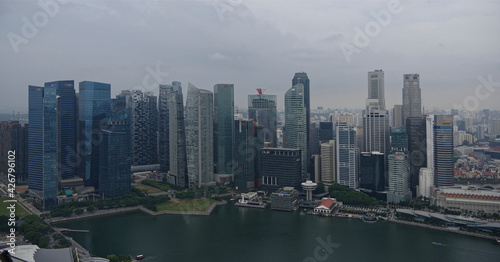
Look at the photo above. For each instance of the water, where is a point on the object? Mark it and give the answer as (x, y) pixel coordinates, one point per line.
(244, 234)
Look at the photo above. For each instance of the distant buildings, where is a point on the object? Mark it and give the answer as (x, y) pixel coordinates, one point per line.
(144, 111)
(399, 178)
(199, 136)
(284, 199)
(376, 88)
(224, 128)
(262, 108)
(280, 167)
(397, 116)
(14, 137)
(296, 123)
(326, 131)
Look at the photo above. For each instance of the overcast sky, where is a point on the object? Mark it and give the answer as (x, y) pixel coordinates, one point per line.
(255, 44)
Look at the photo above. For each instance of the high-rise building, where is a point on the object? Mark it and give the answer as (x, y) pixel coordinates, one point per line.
(495, 128)
(426, 182)
(172, 132)
(262, 108)
(247, 143)
(443, 150)
(328, 162)
(412, 100)
(399, 178)
(372, 169)
(302, 78)
(144, 129)
(280, 167)
(417, 147)
(326, 131)
(95, 107)
(347, 156)
(115, 156)
(199, 136)
(14, 137)
(296, 124)
(376, 129)
(399, 140)
(397, 116)
(224, 127)
(66, 124)
(42, 144)
(376, 89)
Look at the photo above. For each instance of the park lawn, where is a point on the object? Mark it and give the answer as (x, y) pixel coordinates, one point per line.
(147, 189)
(20, 212)
(193, 205)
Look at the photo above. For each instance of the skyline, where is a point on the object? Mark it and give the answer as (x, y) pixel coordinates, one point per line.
(452, 47)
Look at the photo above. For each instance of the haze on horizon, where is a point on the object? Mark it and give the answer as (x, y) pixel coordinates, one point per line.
(255, 44)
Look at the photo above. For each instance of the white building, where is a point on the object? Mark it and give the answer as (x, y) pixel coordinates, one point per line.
(469, 199)
(425, 182)
(326, 206)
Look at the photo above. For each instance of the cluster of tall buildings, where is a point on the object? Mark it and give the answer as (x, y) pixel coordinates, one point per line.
(90, 136)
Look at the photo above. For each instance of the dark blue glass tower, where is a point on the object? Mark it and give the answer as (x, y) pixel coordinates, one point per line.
(115, 155)
(66, 149)
(42, 144)
(94, 109)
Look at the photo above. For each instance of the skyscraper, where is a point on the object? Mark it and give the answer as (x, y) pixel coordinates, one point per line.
(376, 89)
(328, 162)
(172, 133)
(199, 136)
(296, 124)
(280, 167)
(372, 171)
(325, 131)
(347, 156)
(399, 178)
(397, 116)
(95, 107)
(224, 127)
(144, 112)
(417, 147)
(247, 143)
(262, 108)
(115, 156)
(66, 125)
(42, 144)
(443, 150)
(302, 78)
(412, 100)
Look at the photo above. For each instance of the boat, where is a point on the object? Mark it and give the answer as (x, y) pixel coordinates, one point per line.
(140, 257)
(437, 243)
(498, 241)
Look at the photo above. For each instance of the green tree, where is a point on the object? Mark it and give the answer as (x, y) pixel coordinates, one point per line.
(78, 211)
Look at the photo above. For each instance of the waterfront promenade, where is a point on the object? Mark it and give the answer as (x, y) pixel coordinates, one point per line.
(453, 230)
(131, 209)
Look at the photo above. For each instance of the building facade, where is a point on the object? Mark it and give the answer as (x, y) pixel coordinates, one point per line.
(248, 142)
(328, 162)
(417, 147)
(14, 137)
(412, 99)
(284, 199)
(172, 134)
(399, 178)
(199, 136)
(296, 123)
(262, 108)
(372, 171)
(443, 150)
(280, 167)
(347, 156)
(224, 128)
